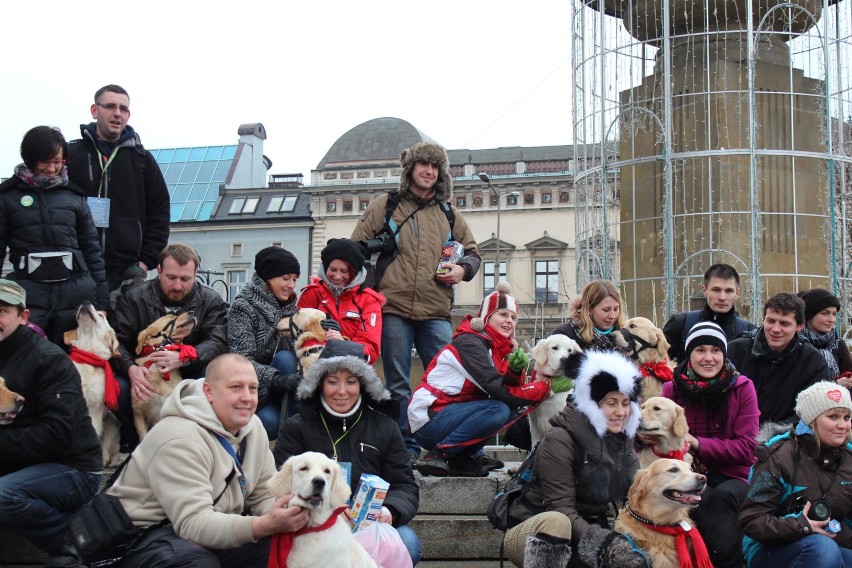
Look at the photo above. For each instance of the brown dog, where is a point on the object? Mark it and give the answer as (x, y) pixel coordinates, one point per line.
(310, 335)
(93, 344)
(11, 404)
(663, 429)
(658, 504)
(646, 345)
(165, 333)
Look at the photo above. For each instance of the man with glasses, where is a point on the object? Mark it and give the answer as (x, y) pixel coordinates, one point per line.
(126, 191)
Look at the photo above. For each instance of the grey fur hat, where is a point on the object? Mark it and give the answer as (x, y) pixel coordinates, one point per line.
(339, 354)
(434, 154)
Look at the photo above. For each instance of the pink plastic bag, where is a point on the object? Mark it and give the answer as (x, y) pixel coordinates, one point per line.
(384, 545)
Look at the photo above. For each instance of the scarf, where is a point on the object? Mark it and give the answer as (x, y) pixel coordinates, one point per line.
(501, 347)
(694, 386)
(660, 371)
(43, 182)
(112, 388)
(826, 343)
(680, 532)
(675, 455)
(186, 353)
(282, 543)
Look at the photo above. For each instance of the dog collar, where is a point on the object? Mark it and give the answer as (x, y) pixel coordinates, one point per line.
(639, 517)
(675, 455)
(660, 371)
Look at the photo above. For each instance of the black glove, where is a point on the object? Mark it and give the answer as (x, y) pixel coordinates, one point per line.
(330, 325)
(603, 548)
(287, 383)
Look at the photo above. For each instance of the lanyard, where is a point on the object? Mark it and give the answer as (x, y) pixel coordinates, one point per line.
(234, 455)
(104, 167)
(345, 433)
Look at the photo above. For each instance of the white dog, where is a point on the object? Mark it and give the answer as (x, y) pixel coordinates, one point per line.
(318, 485)
(553, 356)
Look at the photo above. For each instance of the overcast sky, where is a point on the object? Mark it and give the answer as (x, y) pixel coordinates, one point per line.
(470, 74)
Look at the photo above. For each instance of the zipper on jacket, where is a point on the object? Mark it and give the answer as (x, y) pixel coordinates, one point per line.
(368, 445)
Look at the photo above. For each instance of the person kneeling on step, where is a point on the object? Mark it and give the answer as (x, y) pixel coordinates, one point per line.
(470, 390)
(583, 464)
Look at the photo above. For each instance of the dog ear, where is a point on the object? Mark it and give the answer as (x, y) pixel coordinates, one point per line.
(662, 344)
(70, 336)
(637, 490)
(281, 483)
(142, 339)
(113, 344)
(680, 427)
(340, 492)
(539, 352)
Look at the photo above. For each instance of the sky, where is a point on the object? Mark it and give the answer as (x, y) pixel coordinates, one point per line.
(470, 74)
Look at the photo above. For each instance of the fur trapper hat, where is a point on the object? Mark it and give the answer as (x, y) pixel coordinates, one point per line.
(433, 154)
(820, 397)
(339, 354)
(603, 372)
(500, 299)
(816, 300)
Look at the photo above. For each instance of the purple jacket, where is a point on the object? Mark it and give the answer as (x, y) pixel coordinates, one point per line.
(729, 446)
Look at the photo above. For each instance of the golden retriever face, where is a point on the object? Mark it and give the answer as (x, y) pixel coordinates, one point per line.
(93, 333)
(662, 417)
(11, 404)
(665, 491)
(168, 329)
(643, 341)
(552, 354)
(307, 323)
(316, 481)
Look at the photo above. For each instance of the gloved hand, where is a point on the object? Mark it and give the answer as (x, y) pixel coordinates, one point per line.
(287, 383)
(518, 360)
(603, 548)
(133, 272)
(561, 383)
(330, 325)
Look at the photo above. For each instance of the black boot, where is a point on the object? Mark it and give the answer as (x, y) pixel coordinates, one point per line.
(433, 463)
(465, 465)
(67, 557)
(545, 551)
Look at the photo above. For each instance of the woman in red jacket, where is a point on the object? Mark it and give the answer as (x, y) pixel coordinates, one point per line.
(337, 291)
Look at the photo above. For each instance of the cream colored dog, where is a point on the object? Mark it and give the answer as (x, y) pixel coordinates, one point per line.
(11, 404)
(661, 494)
(318, 485)
(552, 356)
(93, 344)
(663, 430)
(166, 331)
(309, 334)
(646, 345)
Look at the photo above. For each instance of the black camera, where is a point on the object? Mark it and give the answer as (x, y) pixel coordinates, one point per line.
(382, 243)
(820, 510)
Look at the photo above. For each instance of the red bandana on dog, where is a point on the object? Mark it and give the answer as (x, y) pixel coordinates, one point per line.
(675, 455)
(680, 531)
(186, 353)
(111, 386)
(282, 543)
(660, 371)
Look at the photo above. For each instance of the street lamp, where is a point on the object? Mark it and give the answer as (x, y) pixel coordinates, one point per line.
(484, 177)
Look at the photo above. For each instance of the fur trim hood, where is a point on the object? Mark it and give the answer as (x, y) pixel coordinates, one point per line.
(607, 368)
(434, 154)
(372, 388)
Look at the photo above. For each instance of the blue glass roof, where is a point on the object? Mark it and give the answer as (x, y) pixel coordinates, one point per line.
(194, 176)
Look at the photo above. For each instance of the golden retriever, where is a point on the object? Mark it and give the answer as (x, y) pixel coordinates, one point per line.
(663, 429)
(646, 345)
(95, 339)
(11, 404)
(169, 330)
(310, 335)
(318, 485)
(552, 356)
(663, 494)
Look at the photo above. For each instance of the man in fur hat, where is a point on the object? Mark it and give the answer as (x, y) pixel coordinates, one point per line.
(417, 311)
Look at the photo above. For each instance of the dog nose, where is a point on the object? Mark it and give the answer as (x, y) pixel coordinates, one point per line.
(318, 482)
(19, 399)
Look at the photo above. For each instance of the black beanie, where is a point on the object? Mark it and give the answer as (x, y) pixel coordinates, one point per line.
(706, 333)
(275, 261)
(346, 250)
(816, 300)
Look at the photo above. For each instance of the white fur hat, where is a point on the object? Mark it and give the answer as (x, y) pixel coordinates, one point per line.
(602, 372)
(500, 299)
(820, 397)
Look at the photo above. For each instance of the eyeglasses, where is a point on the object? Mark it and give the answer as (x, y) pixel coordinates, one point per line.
(54, 163)
(112, 107)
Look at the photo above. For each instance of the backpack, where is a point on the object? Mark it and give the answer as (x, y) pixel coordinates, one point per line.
(498, 509)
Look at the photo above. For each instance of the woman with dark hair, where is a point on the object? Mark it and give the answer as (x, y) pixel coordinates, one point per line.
(720, 406)
(337, 291)
(821, 309)
(47, 227)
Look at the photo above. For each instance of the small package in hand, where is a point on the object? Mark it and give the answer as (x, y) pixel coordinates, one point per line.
(452, 252)
(368, 502)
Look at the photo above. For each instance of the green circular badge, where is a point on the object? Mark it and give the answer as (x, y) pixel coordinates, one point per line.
(27, 200)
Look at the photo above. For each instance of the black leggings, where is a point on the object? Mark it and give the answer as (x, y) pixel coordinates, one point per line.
(717, 521)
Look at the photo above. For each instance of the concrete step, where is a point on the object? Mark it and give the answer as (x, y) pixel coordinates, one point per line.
(456, 537)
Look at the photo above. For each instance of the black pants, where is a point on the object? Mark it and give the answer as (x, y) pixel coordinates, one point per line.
(162, 548)
(716, 519)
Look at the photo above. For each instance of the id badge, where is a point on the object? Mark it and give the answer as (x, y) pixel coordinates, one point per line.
(346, 468)
(99, 206)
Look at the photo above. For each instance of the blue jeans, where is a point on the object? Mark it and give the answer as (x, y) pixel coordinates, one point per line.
(399, 335)
(38, 501)
(272, 413)
(464, 421)
(411, 542)
(813, 551)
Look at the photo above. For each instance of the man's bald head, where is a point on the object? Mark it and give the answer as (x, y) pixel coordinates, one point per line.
(231, 389)
(224, 365)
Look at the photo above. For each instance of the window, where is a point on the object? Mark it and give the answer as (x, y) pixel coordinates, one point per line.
(547, 281)
(460, 201)
(236, 282)
(595, 269)
(237, 249)
(362, 204)
(477, 201)
(347, 206)
(529, 198)
(237, 205)
(243, 205)
(251, 204)
(511, 199)
(488, 283)
(275, 204)
(546, 197)
(278, 244)
(563, 197)
(330, 206)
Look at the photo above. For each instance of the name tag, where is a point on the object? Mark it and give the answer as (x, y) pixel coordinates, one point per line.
(99, 207)
(351, 314)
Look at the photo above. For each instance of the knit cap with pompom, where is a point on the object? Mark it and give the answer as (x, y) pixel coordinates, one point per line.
(500, 299)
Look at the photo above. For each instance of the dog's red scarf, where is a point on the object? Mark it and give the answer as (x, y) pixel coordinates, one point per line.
(675, 455)
(680, 534)
(186, 353)
(282, 543)
(111, 386)
(659, 371)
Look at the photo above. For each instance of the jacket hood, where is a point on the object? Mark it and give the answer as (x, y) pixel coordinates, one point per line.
(761, 349)
(338, 291)
(128, 137)
(614, 372)
(189, 401)
(434, 154)
(372, 388)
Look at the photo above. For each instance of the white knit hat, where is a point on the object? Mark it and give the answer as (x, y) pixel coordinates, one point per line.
(820, 397)
(500, 299)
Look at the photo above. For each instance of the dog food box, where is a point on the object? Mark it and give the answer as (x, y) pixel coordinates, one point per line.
(368, 501)
(451, 253)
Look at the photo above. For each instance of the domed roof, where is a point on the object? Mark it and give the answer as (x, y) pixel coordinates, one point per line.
(377, 140)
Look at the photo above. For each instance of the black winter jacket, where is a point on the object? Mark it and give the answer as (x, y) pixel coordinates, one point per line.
(52, 220)
(140, 306)
(139, 198)
(673, 329)
(373, 445)
(778, 377)
(54, 424)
